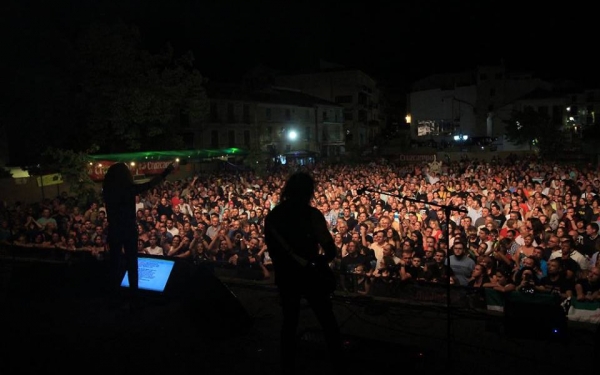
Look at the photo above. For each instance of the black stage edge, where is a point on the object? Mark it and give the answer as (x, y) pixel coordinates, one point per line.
(60, 315)
(57, 316)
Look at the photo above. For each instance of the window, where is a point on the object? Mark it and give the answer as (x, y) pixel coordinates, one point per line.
(288, 114)
(214, 139)
(349, 136)
(557, 114)
(247, 138)
(307, 115)
(343, 99)
(188, 140)
(348, 116)
(268, 113)
(214, 112)
(589, 114)
(336, 133)
(307, 131)
(269, 130)
(437, 127)
(543, 110)
(492, 92)
(246, 113)
(483, 77)
(498, 76)
(325, 116)
(230, 113)
(362, 98)
(362, 115)
(231, 138)
(184, 118)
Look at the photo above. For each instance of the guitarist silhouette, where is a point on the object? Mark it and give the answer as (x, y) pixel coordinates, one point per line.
(294, 230)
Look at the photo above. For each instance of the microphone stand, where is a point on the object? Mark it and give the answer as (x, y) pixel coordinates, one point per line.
(447, 210)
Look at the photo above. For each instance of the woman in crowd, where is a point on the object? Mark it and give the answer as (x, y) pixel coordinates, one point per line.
(524, 250)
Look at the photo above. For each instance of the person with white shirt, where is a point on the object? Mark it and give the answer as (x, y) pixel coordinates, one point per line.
(139, 205)
(185, 208)
(567, 250)
(153, 249)
(379, 240)
(171, 228)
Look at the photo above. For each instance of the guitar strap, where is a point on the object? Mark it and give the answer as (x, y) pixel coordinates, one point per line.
(303, 262)
(326, 278)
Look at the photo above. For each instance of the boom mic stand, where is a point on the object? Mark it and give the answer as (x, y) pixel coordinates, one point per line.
(447, 210)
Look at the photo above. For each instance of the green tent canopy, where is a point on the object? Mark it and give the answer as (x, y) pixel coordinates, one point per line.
(182, 155)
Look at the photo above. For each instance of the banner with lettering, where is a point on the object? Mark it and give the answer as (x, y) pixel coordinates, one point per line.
(413, 158)
(97, 169)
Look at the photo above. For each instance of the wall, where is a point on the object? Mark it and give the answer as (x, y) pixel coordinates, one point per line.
(27, 190)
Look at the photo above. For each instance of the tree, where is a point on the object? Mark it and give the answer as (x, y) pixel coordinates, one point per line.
(73, 167)
(256, 160)
(534, 129)
(98, 87)
(137, 99)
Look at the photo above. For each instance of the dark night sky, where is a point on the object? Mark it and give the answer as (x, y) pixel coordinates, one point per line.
(398, 41)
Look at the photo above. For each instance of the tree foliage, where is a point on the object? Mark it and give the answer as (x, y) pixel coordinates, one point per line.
(534, 129)
(257, 161)
(137, 99)
(98, 86)
(73, 168)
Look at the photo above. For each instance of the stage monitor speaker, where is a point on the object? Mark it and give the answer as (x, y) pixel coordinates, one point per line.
(541, 318)
(214, 309)
(194, 290)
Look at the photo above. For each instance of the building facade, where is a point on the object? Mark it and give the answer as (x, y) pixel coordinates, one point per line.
(353, 89)
(280, 122)
(450, 108)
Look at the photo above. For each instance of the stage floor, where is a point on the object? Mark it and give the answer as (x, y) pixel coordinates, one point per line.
(57, 317)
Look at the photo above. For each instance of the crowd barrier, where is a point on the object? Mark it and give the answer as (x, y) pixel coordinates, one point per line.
(578, 311)
(415, 291)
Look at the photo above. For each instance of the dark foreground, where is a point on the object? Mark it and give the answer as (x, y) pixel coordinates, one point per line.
(56, 318)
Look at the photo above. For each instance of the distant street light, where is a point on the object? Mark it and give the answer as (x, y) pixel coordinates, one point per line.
(292, 135)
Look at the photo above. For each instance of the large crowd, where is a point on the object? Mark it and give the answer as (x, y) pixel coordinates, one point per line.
(512, 224)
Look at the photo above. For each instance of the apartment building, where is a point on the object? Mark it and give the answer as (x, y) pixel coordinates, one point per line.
(281, 122)
(353, 89)
(477, 103)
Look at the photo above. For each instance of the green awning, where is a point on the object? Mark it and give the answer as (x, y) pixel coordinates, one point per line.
(190, 155)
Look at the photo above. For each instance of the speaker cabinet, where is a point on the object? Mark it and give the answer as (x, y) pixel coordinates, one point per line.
(537, 317)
